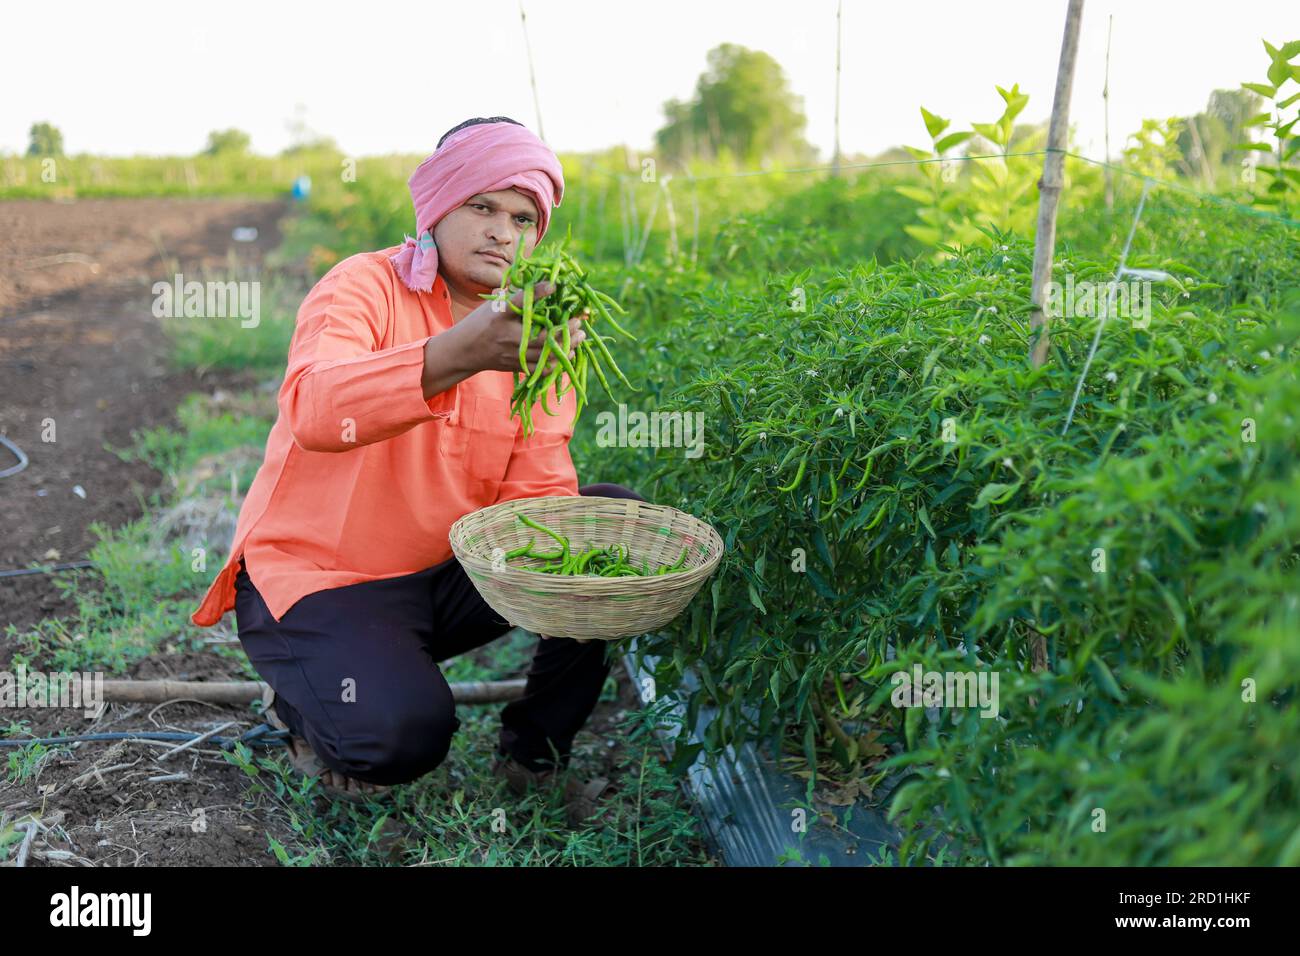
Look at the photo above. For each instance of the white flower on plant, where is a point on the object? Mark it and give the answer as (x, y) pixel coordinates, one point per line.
(1006, 463)
(1004, 248)
(1212, 398)
(753, 391)
(1112, 377)
(993, 309)
(839, 413)
(985, 340)
(812, 372)
(762, 436)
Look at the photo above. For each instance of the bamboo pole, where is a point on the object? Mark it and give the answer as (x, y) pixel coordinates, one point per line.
(1105, 100)
(1049, 187)
(242, 692)
(532, 77)
(839, 16)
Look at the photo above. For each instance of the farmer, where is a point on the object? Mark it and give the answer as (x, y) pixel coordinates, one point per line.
(394, 421)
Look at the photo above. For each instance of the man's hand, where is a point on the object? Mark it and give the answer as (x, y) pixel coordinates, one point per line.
(495, 330)
(488, 340)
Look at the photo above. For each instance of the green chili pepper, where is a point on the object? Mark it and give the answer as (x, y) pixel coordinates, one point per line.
(527, 330)
(571, 295)
(798, 475)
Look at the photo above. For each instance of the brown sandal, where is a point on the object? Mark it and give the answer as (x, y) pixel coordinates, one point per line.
(581, 800)
(305, 760)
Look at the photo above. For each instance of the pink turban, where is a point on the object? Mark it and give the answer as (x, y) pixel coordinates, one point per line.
(477, 159)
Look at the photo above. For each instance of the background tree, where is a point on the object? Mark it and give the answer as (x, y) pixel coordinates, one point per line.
(45, 140)
(227, 141)
(1219, 127)
(742, 108)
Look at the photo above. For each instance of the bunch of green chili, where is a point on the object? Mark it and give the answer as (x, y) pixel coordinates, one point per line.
(571, 295)
(607, 562)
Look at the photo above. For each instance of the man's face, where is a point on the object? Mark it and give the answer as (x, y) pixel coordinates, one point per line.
(488, 225)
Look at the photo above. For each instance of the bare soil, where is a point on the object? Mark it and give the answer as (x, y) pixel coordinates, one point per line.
(79, 345)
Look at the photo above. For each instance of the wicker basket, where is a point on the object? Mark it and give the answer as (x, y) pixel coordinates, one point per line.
(586, 606)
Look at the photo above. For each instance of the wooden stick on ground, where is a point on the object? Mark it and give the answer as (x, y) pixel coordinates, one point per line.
(242, 692)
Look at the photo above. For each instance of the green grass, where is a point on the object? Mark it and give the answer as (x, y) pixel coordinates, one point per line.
(83, 175)
(138, 596)
(462, 815)
(233, 342)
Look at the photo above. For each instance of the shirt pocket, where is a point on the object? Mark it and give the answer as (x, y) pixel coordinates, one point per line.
(551, 429)
(479, 438)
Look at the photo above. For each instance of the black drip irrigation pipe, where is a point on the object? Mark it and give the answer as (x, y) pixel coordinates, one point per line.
(263, 735)
(22, 458)
(48, 569)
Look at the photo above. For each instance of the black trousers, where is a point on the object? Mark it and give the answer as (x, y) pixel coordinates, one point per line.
(355, 671)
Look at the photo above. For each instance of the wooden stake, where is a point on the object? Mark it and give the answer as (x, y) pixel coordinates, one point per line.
(532, 77)
(839, 16)
(242, 692)
(1049, 187)
(1105, 99)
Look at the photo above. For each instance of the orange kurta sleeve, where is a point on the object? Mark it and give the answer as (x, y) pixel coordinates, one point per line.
(343, 387)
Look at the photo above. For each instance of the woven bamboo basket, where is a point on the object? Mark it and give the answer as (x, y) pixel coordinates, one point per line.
(586, 606)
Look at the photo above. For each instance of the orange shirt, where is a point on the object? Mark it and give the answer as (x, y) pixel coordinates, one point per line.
(362, 477)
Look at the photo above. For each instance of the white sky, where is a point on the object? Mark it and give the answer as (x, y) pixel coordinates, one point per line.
(155, 77)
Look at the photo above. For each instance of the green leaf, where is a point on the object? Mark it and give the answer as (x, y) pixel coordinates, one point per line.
(1105, 679)
(820, 584)
(810, 745)
(911, 722)
(1265, 91)
(951, 140)
(754, 600)
(915, 193)
(925, 520)
(823, 548)
(995, 493)
(934, 124)
(1279, 71)
(990, 131)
